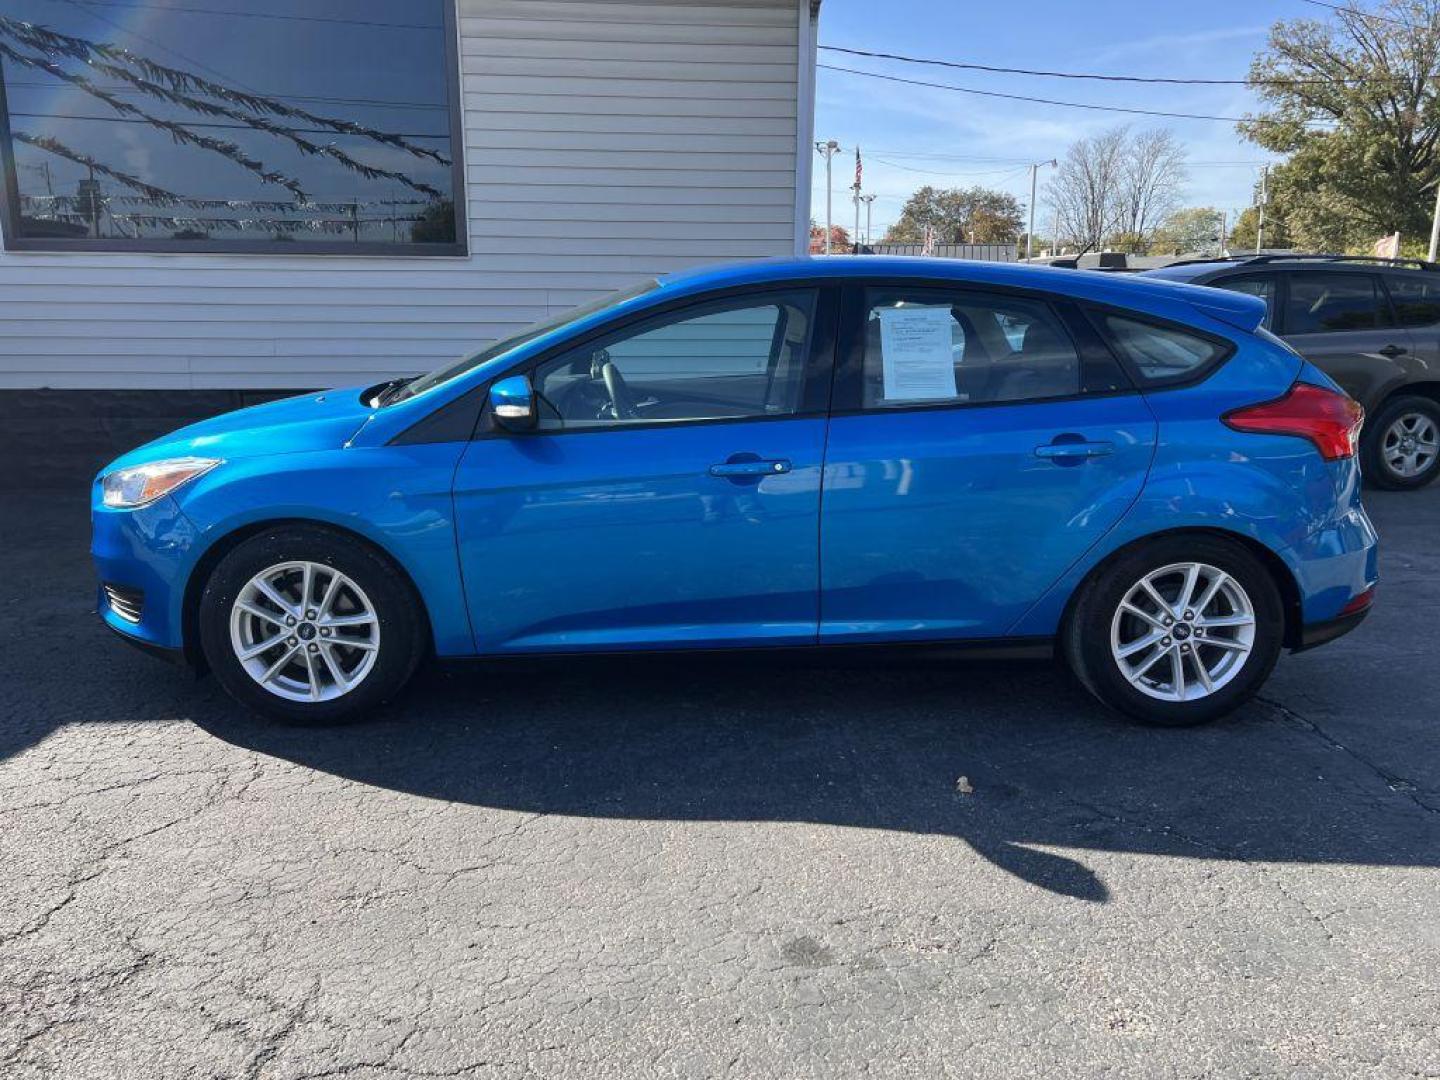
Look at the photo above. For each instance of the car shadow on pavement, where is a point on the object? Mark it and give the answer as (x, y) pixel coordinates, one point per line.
(1048, 774)
(748, 738)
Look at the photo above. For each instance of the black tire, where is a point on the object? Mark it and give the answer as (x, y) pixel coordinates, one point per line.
(402, 634)
(1086, 636)
(1374, 467)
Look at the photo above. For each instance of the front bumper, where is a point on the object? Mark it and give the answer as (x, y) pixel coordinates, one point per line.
(150, 551)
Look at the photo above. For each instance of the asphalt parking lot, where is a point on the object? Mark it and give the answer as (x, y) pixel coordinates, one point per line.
(684, 868)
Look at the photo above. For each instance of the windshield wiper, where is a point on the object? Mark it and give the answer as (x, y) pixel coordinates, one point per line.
(392, 391)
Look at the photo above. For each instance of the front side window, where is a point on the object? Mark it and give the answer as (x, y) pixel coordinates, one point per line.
(277, 125)
(1160, 353)
(1321, 302)
(725, 359)
(933, 347)
(1261, 285)
(1416, 297)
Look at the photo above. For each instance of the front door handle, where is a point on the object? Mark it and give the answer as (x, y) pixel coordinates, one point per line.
(1074, 451)
(1394, 350)
(752, 467)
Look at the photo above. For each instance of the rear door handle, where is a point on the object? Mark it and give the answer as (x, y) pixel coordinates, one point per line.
(760, 467)
(1394, 350)
(1074, 449)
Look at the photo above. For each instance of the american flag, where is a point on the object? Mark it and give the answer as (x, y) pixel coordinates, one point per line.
(928, 247)
(859, 169)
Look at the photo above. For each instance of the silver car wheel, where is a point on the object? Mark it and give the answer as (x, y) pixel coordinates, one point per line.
(1410, 445)
(1182, 632)
(304, 631)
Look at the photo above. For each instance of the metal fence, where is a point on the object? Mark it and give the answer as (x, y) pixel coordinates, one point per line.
(979, 252)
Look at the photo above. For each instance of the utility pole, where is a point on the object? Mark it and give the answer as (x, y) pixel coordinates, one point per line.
(1030, 230)
(1264, 198)
(1435, 226)
(869, 201)
(828, 150)
(1224, 218)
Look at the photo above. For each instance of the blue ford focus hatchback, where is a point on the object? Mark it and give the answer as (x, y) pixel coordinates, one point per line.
(800, 453)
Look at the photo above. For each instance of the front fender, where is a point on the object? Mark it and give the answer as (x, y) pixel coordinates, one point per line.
(396, 497)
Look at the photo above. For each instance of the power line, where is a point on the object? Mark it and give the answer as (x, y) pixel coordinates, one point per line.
(1357, 13)
(964, 66)
(946, 172)
(1052, 101)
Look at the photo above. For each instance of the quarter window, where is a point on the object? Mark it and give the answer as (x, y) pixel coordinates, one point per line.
(1416, 298)
(281, 125)
(1261, 285)
(1322, 303)
(722, 360)
(933, 347)
(1161, 354)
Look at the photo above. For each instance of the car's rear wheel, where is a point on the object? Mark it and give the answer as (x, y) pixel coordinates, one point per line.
(307, 624)
(1177, 631)
(1401, 444)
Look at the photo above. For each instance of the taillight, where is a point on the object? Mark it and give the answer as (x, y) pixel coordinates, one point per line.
(1328, 419)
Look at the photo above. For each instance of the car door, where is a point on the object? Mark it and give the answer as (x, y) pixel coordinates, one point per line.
(1341, 322)
(670, 494)
(1415, 298)
(981, 442)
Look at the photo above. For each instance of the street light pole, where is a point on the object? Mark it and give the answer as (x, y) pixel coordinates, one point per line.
(1030, 230)
(1435, 227)
(869, 201)
(828, 151)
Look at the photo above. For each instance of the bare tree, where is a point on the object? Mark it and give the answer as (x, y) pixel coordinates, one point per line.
(1117, 187)
(1084, 188)
(1151, 183)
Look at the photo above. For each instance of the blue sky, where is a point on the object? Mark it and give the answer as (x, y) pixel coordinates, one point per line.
(961, 140)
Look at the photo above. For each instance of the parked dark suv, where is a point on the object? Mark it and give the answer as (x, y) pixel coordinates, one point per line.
(1373, 325)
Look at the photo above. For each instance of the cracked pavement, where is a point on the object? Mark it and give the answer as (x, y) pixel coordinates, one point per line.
(677, 867)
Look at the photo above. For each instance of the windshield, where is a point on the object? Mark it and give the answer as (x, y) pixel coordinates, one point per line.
(530, 333)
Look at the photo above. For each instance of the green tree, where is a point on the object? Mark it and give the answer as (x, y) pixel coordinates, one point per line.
(1243, 235)
(1352, 101)
(1193, 229)
(959, 216)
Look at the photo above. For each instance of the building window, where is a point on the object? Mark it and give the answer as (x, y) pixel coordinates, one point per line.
(265, 126)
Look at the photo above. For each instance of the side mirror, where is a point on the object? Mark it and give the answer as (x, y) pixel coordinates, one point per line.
(512, 401)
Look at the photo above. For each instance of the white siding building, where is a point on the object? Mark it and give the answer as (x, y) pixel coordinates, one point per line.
(601, 142)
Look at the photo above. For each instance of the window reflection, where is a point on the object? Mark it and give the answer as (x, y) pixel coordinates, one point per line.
(292, 122)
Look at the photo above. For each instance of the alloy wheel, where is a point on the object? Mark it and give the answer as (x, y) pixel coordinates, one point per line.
(1410, 445)
(304, 631)
(1183, 631)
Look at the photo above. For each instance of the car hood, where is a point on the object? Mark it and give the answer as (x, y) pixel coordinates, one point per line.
(309, 422)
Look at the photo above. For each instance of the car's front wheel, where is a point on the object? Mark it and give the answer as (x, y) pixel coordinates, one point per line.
(1401, 444)
(307, 624)
(1177, 631)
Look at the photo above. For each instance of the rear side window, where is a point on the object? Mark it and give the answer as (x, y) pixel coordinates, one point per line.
(1162, 354)
(935, 346)
(1261, 285)
(1415, 297)
(1324, 302)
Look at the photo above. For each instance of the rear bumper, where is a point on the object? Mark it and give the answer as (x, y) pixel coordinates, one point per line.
(1320, 633)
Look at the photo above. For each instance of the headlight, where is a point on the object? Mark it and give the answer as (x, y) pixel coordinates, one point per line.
(141, 484)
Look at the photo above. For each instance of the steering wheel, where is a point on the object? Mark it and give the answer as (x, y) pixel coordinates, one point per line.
(622, 402)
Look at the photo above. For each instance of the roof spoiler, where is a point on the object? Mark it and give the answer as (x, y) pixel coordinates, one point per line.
(1237, 309)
